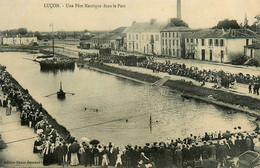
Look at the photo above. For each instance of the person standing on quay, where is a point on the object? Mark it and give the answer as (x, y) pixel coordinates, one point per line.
(250, 87)
(74, 148)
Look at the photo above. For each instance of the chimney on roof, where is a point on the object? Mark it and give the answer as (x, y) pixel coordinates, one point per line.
(152, 21)
(179, 9)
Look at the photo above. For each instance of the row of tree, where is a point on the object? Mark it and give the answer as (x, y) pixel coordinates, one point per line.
(226, 24)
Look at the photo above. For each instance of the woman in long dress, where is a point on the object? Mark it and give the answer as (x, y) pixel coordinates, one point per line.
(46, 154)
(82, 155)
(74, 148)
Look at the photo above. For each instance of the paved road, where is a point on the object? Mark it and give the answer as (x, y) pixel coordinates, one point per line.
(19, 139)
(235, 69)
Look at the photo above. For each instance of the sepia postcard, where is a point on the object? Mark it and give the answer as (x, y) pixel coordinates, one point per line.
(130, 83)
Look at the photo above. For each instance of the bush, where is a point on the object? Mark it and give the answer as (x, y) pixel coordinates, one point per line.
(239, 59)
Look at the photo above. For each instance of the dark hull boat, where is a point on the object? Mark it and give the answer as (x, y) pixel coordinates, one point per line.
(57, 64)
(61, 94)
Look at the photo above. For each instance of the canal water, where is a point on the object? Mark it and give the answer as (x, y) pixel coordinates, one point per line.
(118, 99)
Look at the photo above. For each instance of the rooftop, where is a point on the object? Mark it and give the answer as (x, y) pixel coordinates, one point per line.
(112, 35)
(255, 45)
(221, 33)
(153, 25)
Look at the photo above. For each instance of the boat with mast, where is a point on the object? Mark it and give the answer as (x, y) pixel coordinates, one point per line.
(60, 94)
(56, 62)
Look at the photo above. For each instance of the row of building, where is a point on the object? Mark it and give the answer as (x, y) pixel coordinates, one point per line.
(18, 40)
(181, 42)
(165, 39)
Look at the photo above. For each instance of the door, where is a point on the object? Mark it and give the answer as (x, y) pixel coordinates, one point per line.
(210, 55)
(203, 55)
(222, 56)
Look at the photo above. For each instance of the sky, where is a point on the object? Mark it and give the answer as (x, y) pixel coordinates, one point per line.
(32, 14)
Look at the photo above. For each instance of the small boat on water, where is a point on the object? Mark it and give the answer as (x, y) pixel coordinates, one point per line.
(61, 94)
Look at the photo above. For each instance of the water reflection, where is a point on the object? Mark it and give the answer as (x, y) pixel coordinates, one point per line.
(118, 99)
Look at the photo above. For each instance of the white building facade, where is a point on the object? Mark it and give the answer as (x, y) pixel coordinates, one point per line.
(19, 40)
(145, 37)
(217, 45)
(173, 44)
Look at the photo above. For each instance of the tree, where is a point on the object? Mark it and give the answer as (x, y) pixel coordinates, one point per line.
(38, 35)
(22, 31)
(177, 22)
(227, 24)
(256, 25)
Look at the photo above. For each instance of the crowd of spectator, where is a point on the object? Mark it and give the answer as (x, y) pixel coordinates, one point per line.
(211, 149)
(220, 78)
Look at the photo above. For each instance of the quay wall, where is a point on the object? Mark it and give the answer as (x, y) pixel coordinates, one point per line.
(63, 132)
(245, 104)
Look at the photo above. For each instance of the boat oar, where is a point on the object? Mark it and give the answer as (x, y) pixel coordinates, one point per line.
(70, 93)
(50, 94)
(28, 59)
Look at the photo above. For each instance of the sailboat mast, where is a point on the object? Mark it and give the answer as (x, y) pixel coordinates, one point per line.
(60, 86)
(52, 39)
(150, 122)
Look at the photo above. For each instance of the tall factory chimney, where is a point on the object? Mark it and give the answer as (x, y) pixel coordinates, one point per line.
(179, 9)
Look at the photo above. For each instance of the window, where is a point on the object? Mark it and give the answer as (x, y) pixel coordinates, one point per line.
(178, 52)
(177, 34)
(136, 37)
(129, 36)
(247, 41)
(165, 34)
(169, 34)
(165, 42)
(162, 42)
(177, 42)
(188, 40)
(221, 42)
(191, 40)
(163, 51)
(136, 46)
(173, 42)
(173, 52)
(129, 46)
(170, 43)
(162, 34)
(216, 42)
(173, 34)
(202, 42)
(210, 42)
(197, 41)
(157, 37)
